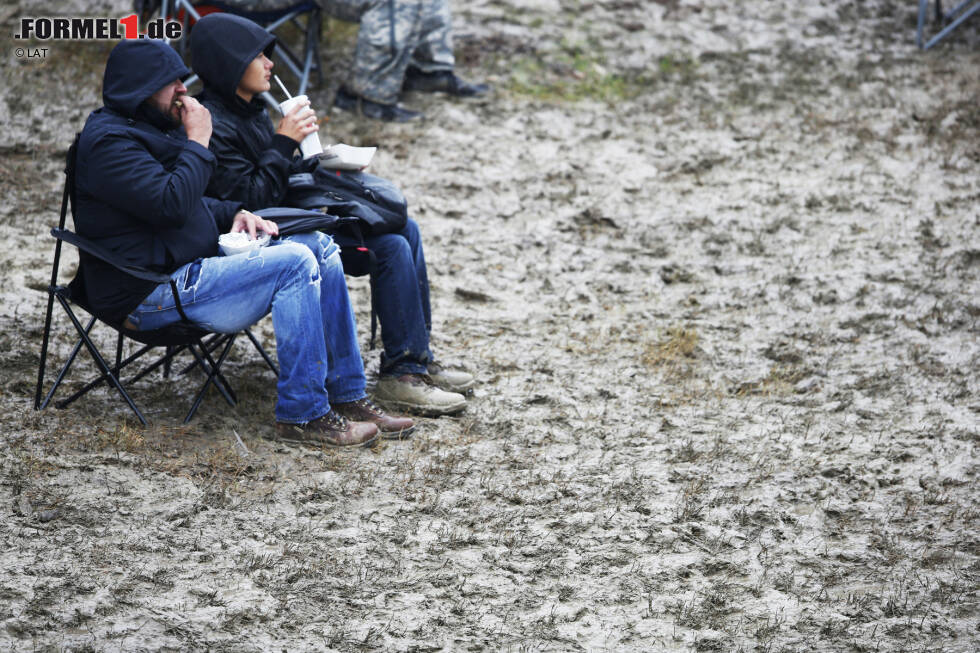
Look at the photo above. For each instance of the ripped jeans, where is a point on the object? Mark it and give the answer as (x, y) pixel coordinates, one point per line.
(301, 281)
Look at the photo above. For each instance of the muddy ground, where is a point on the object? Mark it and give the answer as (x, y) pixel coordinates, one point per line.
(716, 266)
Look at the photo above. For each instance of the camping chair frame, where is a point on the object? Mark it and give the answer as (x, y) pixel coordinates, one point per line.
(302, 66)
(176, 339)
(954, 17)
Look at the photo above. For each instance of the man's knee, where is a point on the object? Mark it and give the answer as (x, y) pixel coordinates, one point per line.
(322, 246)
(392, 249)
(411, 231)
(295, 260)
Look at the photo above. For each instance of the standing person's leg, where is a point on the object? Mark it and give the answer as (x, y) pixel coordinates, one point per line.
(388, 34)
(227, 294)
(434, 50)
(432, 62)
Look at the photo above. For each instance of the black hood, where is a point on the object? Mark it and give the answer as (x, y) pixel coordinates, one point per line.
(136, 70)
(222, 47)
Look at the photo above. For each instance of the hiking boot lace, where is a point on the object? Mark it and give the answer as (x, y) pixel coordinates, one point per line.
(369, 406)
(335, 421)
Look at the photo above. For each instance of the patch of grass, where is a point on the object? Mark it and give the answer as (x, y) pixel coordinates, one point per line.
(579, 73)
(676, 344)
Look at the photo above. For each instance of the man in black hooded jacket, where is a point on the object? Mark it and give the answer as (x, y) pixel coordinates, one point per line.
(142, 168)
(254, 164)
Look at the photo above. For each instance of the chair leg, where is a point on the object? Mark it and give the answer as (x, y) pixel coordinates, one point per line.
(64, 370)
(204, 361)
(132, 357)
(219, 379)
(952, 26)
(215, 367)
(167, 360)
(207, 348)
(212, 343)
(100, 361)
(262, 352)
(44, 351)
(206, 364)
(119, 349)
(920, 25)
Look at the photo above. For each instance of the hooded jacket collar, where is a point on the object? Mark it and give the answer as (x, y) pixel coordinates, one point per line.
(235, 104)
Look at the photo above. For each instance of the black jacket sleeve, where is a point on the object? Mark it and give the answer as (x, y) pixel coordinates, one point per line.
(132, 181)
(223, 211)
(256, 185)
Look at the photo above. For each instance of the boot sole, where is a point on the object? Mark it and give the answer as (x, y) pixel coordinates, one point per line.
(428, 411)
(404, 434)
(328, 445)
(464, 389)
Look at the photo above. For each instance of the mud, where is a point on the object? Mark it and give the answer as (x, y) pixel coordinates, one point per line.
(716, 266)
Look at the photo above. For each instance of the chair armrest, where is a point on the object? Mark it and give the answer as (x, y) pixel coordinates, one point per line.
(275, 213)
(102, 253)
(296, 221)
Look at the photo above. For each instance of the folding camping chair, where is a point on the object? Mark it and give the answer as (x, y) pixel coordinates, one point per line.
(305, 15)
(953, 19)
(177, 338)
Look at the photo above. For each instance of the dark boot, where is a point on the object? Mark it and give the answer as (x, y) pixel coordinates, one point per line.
(441, 81)
(374, 110)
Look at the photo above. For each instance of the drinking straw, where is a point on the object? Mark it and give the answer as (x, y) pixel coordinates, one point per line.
(283, 87)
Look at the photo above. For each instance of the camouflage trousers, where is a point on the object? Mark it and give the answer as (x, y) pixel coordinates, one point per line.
(393, 35)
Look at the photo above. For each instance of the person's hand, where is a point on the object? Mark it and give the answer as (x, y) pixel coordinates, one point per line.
(299, 122)
(248, 221)
(196, 120)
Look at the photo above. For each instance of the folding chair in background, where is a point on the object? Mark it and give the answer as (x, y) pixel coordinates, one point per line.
(175, 339)
(953, 19)
(304, 15)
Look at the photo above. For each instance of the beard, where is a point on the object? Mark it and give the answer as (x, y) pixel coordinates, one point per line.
(165, 117)
(173, 112)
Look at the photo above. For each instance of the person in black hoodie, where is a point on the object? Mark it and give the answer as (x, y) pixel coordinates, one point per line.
(142, 168)
(254, 165)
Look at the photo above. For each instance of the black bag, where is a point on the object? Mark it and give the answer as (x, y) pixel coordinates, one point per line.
(345, 196)
(296, 221)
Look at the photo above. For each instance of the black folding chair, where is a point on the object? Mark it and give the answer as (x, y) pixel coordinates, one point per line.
(175, 339)
(948, 21)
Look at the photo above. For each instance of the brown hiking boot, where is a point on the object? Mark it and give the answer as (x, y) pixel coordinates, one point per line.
(331, 430)
(365, 410)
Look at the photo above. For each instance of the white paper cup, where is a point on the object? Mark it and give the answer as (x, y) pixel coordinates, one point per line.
(310, 146)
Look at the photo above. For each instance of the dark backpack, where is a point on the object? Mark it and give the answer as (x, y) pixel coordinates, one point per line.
(347, 197)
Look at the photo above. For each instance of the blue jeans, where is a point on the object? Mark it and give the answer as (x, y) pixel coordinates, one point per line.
(301, 281)
(401, 288)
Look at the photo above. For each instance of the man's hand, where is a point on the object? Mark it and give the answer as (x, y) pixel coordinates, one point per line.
(196, 119)
(247, 221)
(299, 122)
